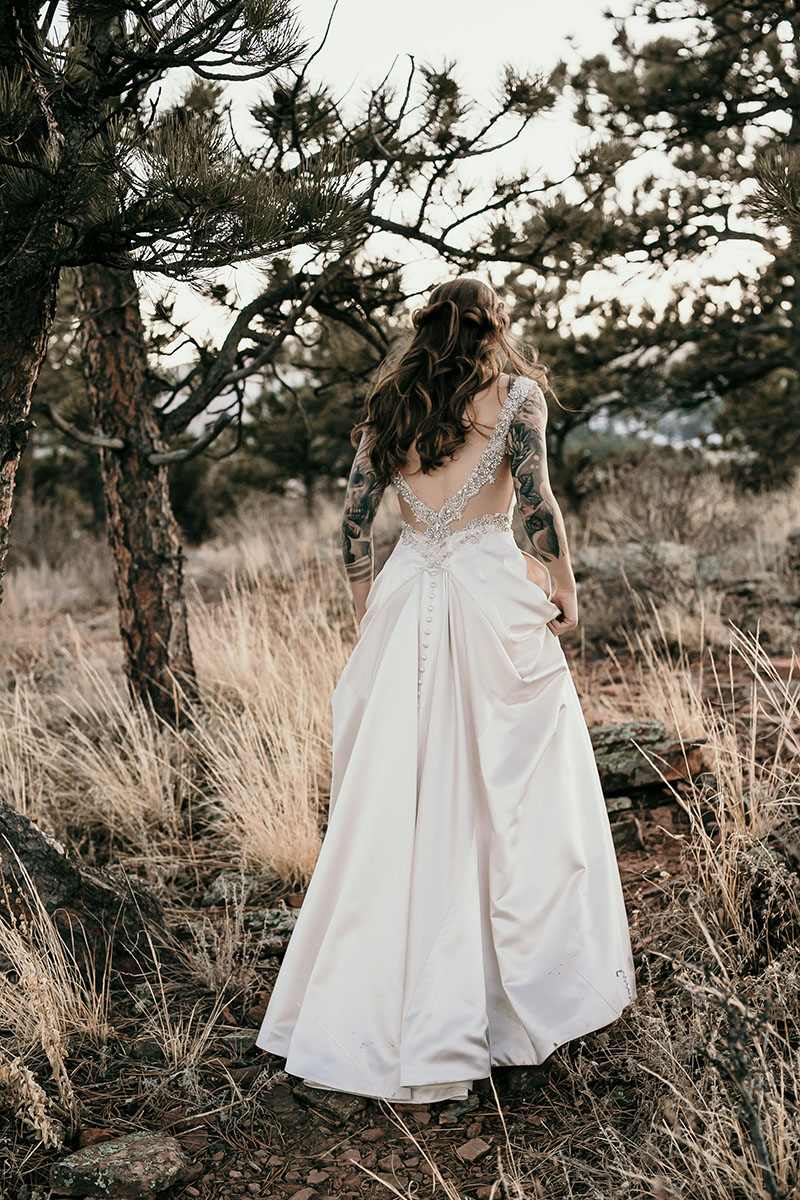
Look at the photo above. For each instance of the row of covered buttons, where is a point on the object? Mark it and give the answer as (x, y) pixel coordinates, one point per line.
(427, 629)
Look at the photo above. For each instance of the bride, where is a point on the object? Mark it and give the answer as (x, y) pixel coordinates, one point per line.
(466, 909)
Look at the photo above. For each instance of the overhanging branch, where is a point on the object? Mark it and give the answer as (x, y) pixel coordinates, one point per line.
(186, 452)
(100, 440)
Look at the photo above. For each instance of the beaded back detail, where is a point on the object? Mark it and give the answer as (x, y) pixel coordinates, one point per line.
(437, 541)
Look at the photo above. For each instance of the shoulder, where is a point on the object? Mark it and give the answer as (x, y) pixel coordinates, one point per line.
(527, 401)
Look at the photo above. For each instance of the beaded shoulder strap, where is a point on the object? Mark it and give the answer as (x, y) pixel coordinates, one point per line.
(483, 472)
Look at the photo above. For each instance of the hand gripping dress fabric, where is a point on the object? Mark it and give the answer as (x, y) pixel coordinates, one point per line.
(466, 909)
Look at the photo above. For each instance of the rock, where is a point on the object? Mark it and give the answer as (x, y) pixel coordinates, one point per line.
(622, 765)
(229, 887)
(787, 667)
(649, 565)
(472, 1150)
(278, 921)
(521, 1081)
(255, 1013)
(240, 1042)
(395, 1183)
(139, 1164)
(244, 1076)
(455, 1109)
(750, 594)
(146, 1049)
(339, 1105)
(275, 925)
(317, 1176)
(627, 833)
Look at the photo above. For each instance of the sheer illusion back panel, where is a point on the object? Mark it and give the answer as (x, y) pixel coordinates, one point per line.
(477, 462)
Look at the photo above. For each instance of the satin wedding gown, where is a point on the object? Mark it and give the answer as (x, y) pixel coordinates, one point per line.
(466, 909)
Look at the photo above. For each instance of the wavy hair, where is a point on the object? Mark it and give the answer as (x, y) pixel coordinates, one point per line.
(460, 344)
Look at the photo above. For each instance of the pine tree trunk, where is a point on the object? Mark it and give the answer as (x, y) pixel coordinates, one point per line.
(108, 907)
(142, 531)
(26, 317)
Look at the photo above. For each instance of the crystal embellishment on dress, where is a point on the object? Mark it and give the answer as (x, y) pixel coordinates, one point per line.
(437, 550)
(437, 542)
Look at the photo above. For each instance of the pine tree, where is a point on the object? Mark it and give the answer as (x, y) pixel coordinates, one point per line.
(94, 175)
(712, 94)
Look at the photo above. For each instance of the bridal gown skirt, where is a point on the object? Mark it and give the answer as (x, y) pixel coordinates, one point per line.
(466, 909)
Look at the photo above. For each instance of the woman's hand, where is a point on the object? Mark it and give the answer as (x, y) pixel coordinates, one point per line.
(567, 600)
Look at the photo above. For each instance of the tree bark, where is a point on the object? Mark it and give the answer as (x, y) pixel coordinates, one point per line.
(142, 530)
(26, 317)
(104, 902)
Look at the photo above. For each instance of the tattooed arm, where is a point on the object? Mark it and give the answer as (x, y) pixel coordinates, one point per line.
(361, 502)
(544, 524)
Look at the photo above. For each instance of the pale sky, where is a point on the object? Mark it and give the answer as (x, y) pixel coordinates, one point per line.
(366, 39)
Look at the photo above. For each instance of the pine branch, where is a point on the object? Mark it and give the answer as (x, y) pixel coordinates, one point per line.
(222, 375)
(100, 440)
(184, 453)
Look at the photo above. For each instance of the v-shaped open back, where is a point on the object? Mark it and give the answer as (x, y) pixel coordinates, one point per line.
(438, 521)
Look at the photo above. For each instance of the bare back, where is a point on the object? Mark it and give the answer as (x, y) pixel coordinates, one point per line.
(441, 484)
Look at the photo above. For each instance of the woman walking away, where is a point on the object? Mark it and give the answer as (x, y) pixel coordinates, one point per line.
(466, 909)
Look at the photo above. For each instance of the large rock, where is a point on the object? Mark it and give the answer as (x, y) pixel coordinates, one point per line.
(139, 1164)
(643, 563)
(624, 767)
(101, 901)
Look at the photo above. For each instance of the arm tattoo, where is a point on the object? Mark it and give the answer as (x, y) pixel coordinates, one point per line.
(527, 451)
(360, 505)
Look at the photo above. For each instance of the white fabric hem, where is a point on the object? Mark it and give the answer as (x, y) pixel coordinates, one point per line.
(420, 1094)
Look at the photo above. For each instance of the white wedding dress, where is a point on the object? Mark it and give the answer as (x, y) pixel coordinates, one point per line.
(466, 909)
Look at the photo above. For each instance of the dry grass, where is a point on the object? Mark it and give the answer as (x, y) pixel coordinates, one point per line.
(267, 662)
(27, 751)
(54, 1001)
(658, 501)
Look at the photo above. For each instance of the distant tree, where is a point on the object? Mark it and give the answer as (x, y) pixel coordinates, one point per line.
(301, 430)
(711, 94)
(765, 421)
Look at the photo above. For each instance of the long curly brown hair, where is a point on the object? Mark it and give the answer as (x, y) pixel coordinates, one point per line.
(461, 344)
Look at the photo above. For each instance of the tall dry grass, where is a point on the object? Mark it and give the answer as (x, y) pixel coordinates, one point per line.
(267, 662)
(50, 999)
(677, 502)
